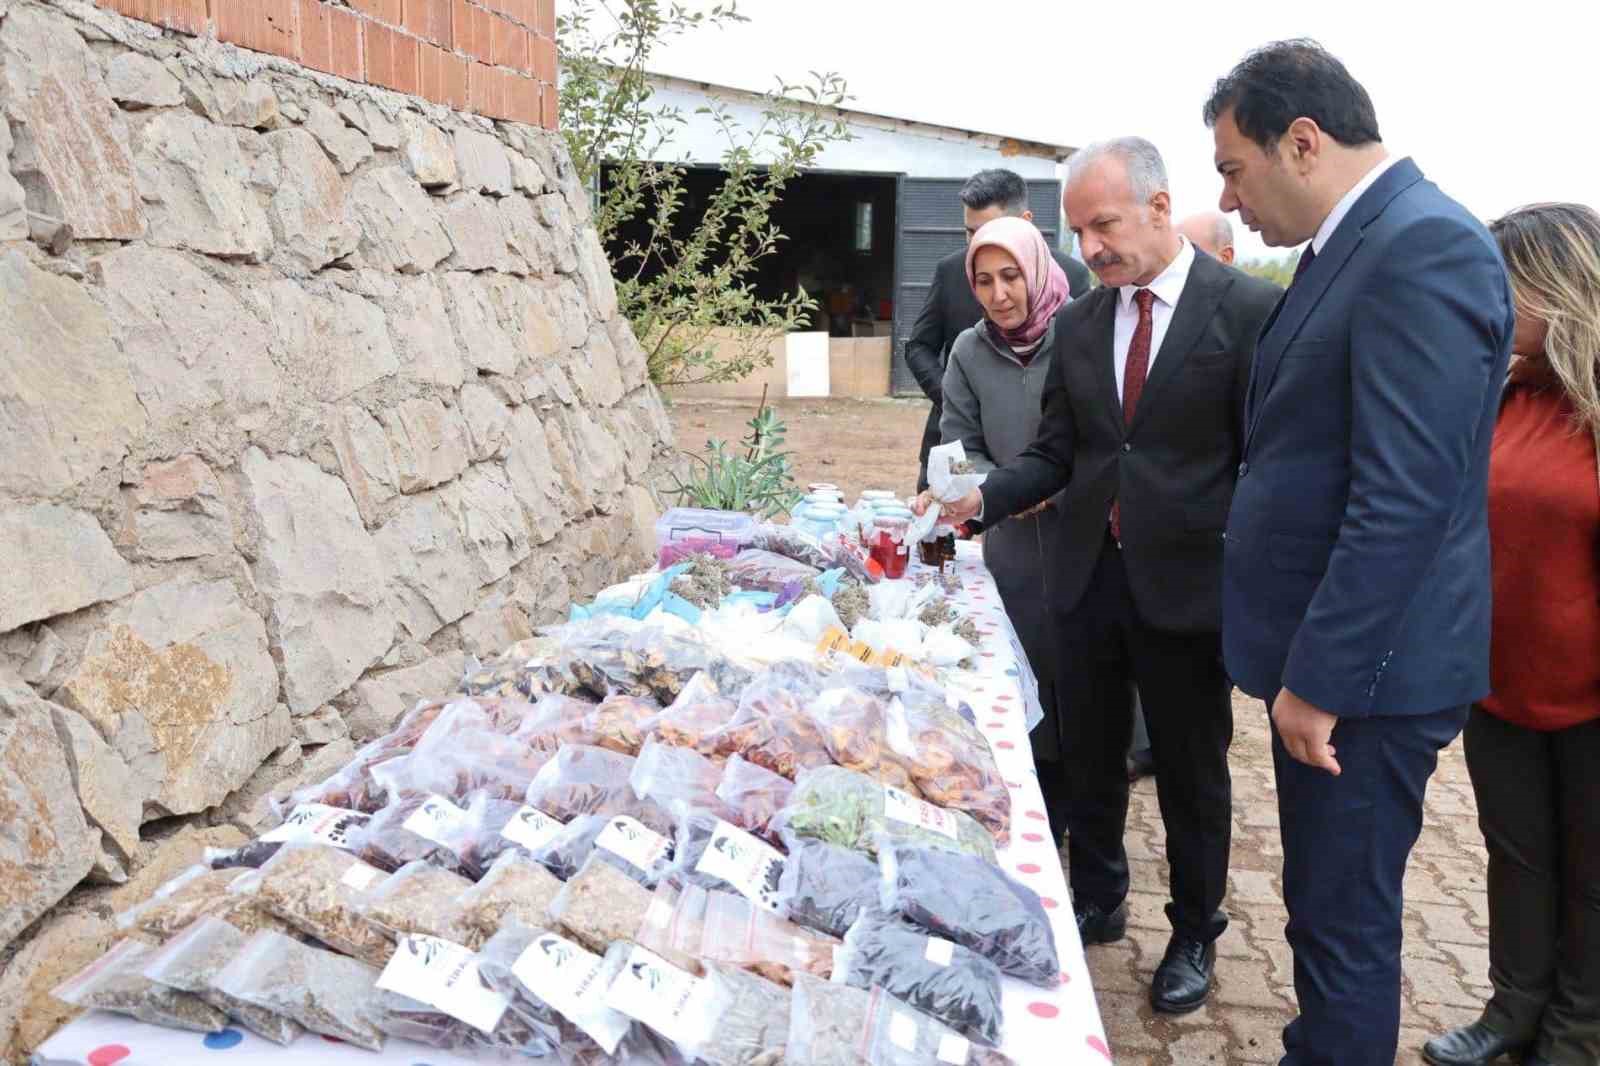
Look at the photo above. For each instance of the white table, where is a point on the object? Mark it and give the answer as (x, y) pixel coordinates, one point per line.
(1059, 1026)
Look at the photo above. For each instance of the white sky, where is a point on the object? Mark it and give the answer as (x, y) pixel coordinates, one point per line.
(1494, 101)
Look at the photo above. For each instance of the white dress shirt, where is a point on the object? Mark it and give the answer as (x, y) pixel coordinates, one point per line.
(1167, 286)
(1342, 208)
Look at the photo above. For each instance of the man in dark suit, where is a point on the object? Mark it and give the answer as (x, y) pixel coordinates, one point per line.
(1142, 427)
(1356, 572)
(951, 307)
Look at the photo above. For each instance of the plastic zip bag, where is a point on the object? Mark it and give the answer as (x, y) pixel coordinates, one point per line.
(326, 993)
(318, 890)
(852, 810)
(418, 898)
(826, 887)
(757, 568)
(753, 796)
(484, 838)
(752, 1028)
(553, 984)
(972, 903)
(939, 977)
(950, 761)
(856, 729)
(737, 933)
(716, 854)
(583, 779)
(668, 663)
(827, 1021)
(196, 892)
(426, 828)
(699, 713)
(674, 1003)
(772, 729)
(601, 905)
(191, 962)
(115, 982)
(515, 889)
(432, 992)
(676, 779)
(900, 1035)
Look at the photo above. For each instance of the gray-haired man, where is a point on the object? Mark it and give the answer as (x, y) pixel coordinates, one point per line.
(1142, 427)
(1212, 233)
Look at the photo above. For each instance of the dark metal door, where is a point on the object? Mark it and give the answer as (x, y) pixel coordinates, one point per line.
(928, 213)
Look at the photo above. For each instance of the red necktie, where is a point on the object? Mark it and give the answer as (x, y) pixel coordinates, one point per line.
(1133, 378)
(1306, 258)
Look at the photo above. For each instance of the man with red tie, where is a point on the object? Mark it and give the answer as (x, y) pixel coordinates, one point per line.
(1142, 427)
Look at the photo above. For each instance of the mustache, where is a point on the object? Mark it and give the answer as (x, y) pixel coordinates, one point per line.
(1103, 260)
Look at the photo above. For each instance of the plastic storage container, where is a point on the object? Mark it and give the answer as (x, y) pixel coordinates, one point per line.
(686, 531)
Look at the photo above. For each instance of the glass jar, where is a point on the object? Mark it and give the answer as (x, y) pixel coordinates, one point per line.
(888, 544)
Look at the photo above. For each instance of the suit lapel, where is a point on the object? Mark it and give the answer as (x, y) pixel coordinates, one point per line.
(1303, 295)
(1202, 294)
(1102, 348)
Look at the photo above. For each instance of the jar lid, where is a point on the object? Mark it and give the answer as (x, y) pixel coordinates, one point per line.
(877, 494)
(822, 486)
(896, 511)
(830, 510)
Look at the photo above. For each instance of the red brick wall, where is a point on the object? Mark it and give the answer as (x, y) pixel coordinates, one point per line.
(493, 57)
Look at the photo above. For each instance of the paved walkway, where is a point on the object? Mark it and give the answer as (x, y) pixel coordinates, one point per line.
(1446, 955)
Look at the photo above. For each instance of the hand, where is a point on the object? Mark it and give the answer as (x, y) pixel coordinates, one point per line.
(1305, 731)
(957, 511)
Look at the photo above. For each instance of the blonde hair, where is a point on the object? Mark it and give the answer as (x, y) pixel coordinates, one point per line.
(1552, 252)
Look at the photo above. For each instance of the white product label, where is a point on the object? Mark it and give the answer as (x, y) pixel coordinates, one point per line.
(899, 680)
(939, 952)
(653, 991)
(907, 808)
(445, 977)
(627, 839)
(437, 820)
(744, 862)
(317, 823)
(903, 1031)
(569, 979)
(532, 828)
(954, 1049)
(360, 876)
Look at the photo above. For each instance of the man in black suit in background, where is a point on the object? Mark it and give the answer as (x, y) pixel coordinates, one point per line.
(951, 307)
(1143, 427)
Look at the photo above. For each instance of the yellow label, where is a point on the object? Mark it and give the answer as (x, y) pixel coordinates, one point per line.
(835, 639)
(861, 650)
(889, 659)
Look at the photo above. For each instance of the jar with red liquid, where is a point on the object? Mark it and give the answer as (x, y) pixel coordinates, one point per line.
(889, 547)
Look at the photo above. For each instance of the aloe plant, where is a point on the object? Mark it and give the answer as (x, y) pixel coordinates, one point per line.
(758, 480)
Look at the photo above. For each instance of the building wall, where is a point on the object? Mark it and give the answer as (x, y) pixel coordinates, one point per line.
(310, 390)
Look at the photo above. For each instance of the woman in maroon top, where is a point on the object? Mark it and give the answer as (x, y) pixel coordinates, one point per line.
(1533, 746)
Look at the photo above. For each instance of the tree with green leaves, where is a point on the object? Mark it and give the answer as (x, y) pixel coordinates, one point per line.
(1277, 269)
(684, 281)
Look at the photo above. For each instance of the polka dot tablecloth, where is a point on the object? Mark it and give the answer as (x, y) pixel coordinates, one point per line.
(1059, 1025)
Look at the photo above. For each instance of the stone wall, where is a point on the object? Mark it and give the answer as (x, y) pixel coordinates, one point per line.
(309, 390)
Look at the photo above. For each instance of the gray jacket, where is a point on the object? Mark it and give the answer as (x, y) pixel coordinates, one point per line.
(992, 406)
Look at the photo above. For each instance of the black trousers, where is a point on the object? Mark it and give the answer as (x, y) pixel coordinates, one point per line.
(1539, 808)
(1185, 693)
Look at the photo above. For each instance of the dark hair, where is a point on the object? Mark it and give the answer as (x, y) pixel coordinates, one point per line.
(1286, 80)
(988, 188)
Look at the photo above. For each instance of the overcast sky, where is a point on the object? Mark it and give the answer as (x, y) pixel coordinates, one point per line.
(1496, 102)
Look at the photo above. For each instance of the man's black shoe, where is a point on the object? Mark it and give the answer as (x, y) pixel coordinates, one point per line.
(1183, 980)
(1470, 1045)
(1096, 926)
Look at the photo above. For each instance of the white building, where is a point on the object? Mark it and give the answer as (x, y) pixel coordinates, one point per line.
(868, 223)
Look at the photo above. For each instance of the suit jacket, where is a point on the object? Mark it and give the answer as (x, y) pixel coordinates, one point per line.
(949, 310)
(1357, 557)
(1172, 470)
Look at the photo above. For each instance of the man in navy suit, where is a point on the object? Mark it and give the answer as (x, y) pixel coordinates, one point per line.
(1355, 587)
